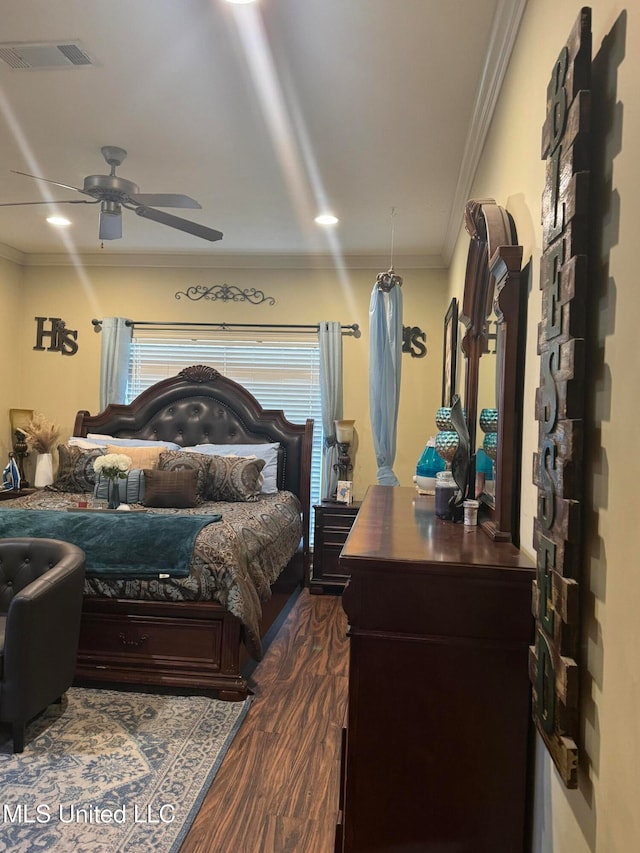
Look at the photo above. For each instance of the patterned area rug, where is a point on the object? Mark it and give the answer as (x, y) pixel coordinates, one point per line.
(113, 771)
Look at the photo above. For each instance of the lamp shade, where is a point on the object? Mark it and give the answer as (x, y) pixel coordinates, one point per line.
(344, 431)
(19, 418)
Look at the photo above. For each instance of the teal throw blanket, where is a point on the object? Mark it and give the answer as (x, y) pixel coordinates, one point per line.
(117, 544)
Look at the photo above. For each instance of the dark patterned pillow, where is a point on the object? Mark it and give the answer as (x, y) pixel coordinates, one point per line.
(75, 469)
(178, 460)
(170, 488)
(234, 478)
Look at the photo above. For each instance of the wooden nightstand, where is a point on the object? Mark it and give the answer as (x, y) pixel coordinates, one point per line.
(11, 494)
(333, 521)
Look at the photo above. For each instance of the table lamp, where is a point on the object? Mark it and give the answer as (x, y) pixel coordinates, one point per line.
(344, 440)
(19, 418)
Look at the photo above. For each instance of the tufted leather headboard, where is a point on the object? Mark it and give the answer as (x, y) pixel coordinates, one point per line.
(200, 405)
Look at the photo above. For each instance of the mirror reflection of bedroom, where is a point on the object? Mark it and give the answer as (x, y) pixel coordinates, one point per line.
(269, 532)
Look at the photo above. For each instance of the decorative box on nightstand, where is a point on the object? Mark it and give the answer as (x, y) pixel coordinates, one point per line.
(333, 521)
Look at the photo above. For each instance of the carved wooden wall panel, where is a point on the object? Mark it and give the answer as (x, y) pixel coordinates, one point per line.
(560, 401)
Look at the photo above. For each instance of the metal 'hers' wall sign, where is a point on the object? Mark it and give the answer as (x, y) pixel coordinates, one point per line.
(560, 401)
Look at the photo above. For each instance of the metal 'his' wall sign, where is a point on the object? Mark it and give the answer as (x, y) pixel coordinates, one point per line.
(413, 341)
(560, 401)
(59, 338)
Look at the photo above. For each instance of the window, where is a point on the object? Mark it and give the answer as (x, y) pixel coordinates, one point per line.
(281, 373)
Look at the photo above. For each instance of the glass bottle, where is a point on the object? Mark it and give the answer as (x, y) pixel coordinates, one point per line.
(446, 489)
(113, 491)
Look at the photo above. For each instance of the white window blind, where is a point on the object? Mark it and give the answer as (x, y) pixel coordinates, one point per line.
(281, 371)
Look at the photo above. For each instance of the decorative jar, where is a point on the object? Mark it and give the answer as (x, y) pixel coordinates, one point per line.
(446, 444)
(446, 489)
(489, 420)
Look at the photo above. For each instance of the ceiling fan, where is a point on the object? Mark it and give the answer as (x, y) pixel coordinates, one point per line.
(113, 193)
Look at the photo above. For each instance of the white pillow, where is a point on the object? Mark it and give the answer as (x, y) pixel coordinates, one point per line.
(268, 452)
(84, 443)
(96, 439)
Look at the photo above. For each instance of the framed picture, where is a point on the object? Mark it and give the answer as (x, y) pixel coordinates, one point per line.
(344, 492)
(449, 355)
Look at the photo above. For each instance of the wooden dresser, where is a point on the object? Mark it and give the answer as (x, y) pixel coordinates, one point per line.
(437, 746)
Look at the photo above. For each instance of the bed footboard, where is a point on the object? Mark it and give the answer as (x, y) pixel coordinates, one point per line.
(185, 645)
(190, 646)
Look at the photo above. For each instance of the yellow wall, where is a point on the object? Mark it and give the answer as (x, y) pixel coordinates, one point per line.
(10, 366)
(61, 385)
(602, 815)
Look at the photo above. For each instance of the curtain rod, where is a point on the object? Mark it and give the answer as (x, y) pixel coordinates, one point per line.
(353, 328)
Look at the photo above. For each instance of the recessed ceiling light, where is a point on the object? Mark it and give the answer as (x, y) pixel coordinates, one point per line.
(240, 2)
(58, 221)
(327, 219)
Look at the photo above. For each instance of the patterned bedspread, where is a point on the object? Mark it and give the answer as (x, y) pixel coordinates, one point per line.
(234, 562)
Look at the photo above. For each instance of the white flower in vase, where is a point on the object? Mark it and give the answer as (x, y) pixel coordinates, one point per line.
(114, 466)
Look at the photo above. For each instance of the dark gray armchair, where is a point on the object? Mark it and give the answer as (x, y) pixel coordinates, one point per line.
(41, 586)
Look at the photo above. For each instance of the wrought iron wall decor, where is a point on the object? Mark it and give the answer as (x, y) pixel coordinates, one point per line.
(61, 339)
(560, 402)
(225, 293)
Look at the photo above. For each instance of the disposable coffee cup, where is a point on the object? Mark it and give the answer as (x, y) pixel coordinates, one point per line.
(470, 513)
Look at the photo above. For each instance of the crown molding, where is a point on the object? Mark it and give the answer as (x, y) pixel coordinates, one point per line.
(11, 254)
(506, 22)
(247, 260)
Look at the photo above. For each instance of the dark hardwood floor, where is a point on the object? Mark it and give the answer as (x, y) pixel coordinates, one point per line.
(277, 788)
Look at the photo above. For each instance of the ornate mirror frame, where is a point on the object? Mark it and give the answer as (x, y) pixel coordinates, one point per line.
(493, 283)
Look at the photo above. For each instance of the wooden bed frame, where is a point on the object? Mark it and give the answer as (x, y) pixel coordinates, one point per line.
(191, 645)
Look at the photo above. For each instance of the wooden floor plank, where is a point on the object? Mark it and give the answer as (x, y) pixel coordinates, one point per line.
(277, 788)
(289, 835)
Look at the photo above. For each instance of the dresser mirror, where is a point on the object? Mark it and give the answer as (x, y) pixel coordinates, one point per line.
(493, 338)
(487, 408)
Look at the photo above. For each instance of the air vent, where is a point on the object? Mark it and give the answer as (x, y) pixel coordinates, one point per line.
(24, 56)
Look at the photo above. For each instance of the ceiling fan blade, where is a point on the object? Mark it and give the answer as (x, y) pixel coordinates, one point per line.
(181, 224)
(55, 183)
(110, 226)
(166, 200)
(64, 201)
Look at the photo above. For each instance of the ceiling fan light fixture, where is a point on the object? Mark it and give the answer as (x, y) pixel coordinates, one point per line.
(327, 219)
(58, 221)
(113, 193)
(110, 227)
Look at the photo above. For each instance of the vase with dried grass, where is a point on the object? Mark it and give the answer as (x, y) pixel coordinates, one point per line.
(41, 436)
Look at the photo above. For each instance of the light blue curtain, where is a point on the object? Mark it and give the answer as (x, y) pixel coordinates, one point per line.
(330, 340)
(114, 360)
(385, 367)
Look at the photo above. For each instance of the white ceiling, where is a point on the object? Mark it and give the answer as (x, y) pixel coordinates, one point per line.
(265, 113)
